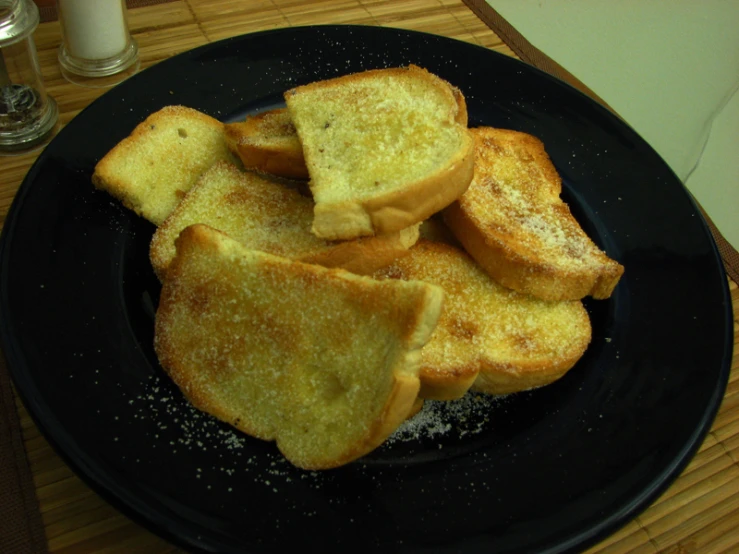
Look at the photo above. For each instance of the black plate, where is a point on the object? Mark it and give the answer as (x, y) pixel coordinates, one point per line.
(550, 470)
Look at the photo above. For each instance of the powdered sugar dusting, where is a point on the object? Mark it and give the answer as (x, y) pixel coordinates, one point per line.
(181, 428)
(517, 178)
(470, 415)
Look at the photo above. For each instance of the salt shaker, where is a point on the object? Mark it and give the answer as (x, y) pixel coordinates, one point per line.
(97, 48)
(28, 116)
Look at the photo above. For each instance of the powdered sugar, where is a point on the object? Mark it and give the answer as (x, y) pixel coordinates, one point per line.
(469, 415)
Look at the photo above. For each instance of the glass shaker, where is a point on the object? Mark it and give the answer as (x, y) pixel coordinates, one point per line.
(97, 49)
(28, 115)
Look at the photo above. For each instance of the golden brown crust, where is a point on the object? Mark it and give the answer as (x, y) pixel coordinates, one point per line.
(447, 384)
(395, 210)
(512, 221)
(386, 208)
(267, 142)
(414, 203)
(365, 255)
(150, 170)
(272, 217)
(403, 400)
(507, 380)
(268, 357)
(416, 408)
(490, 338)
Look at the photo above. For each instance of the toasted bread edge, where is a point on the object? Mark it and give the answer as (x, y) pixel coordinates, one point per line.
(538, 279)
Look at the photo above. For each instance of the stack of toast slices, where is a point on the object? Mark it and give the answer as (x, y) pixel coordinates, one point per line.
(328, 265)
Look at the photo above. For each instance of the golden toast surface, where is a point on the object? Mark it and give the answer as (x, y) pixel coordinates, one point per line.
(267, 142)
(513, 222)
(321, 361)
(270, 216)
(385, 149)
(150, 170)
(265, 319)
(489, 337)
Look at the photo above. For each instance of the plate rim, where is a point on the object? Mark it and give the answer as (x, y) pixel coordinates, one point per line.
(26, 388)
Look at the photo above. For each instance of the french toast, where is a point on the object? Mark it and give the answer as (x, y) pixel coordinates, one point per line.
(270, 216)
(384, 148)
(268, 143)
(150, 170)
(490, 338)
(513, 222)
(322, 361)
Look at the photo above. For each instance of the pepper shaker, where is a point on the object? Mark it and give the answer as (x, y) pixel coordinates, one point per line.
(97, 48)
(28, 116)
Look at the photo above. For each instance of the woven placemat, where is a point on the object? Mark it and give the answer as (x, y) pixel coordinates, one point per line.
(22, 530)
(47, 10)
(21, 526)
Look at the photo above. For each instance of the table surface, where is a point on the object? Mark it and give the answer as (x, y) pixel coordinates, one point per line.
(699, 512)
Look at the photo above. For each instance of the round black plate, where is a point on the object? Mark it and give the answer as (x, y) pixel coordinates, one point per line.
(550, 470)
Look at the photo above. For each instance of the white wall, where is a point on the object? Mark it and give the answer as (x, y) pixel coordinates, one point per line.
(668, 67)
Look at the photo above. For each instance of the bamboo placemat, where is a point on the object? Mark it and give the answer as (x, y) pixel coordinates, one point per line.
(700, 511)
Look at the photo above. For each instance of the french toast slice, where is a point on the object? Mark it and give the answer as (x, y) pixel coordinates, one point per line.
(515, 225)
(322, 361)
(384, 148)
(270, 216)
(490, 338)
(268, 143)
(150, 170)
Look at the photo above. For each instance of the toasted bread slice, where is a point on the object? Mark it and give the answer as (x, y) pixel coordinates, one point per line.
(267, 142)
(269, 216)
(151, 169)
(322, 361)
(417, 407)
(489, 337)
(514, 223)
(384, 148)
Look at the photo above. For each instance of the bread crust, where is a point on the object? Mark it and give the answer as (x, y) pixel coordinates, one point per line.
(416, 408)
(400, 207)
(489, 338)
(446, 384)
(400, 406)
(366, 255)
(507, 379)
(211, 281)
(233, 201)
(148, 173)
(495, 238)
(267, 142)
